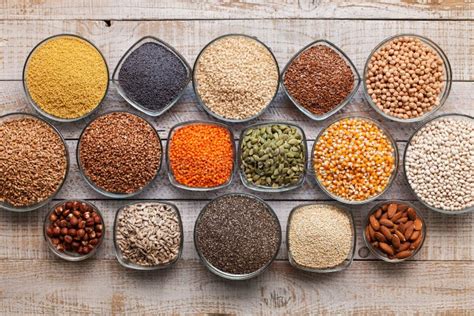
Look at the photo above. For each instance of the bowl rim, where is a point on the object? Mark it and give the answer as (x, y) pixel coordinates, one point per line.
(97, 188)
(395, 155)
(133, 266)
(230, 276)
(447, 82)
(170, 172)
(263, 189)
(201, 104)
(65, 255)
(36, 107)
(379, 254)
(343, 103)
(350, 258)
(418, 129)
(130, 50)
(29, 208)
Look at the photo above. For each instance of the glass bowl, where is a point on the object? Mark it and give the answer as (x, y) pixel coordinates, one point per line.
(9, 207)
(171, 176)
(127, 264)
(349, 62)
(447, 76)
(390, 181)
(343, 265)
(102, 191)
(203, 105)
(260, 188)
(377, 253)
(231, 276)
(37, 107)
(457, 116)
(68, 255)
(136, 105)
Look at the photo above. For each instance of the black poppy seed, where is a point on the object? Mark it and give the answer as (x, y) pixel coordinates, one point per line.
(153, 76)
(238, 234)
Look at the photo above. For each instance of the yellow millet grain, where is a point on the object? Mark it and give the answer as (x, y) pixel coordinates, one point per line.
(354, 159)
(66, 77)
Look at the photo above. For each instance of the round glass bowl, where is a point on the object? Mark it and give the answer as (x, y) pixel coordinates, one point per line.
(69, 255)
(379, 254)
(9, 207)
(123, 93)
(456, 116)
(113, 194)
(259, 188)
(203, 105)
(226, 275)
(390, 181)
(344, 102)
(36, 106)
(344, 264)
(171, 175)
(447, 78)
(130, 265)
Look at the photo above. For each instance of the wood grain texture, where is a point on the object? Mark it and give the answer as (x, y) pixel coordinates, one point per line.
(106, 288)
(221, 9)
(356, 37)
(449, 238)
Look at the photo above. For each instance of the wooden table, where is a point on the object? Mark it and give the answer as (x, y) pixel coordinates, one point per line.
(439, 279)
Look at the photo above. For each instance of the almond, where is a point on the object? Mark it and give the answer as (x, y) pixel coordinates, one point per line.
(404, 246)
(386, 248)
(417, 242)
(403, 254)
(396, 241)
(384, 207)
(380, 237)
(396, 217)
(400, 236)
(402, 207)
(367, 234)
(414, 236)
(409, 230)
(411, 213)
(374, 223)
(392, 209)
(378, 213)
(418, 224)
(384, 216)
(386, 232)
(403, 219)
(386, 222)
(371, 232)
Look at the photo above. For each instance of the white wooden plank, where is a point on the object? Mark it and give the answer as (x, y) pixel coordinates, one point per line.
(103, 287)
(219, 9)
(356, 37)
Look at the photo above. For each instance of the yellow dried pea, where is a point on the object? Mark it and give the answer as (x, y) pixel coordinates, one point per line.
(354, 159)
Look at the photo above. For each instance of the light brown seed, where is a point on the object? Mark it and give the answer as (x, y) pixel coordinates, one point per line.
(411, 214)
(386, 232)
(418, 224)
(414, 236)
(403, 254)
(374, 223)
(367, 234)
(378, 213)
(380, 237)
(386, 248)
(409, 230)
(396, 241)
(371, 232)
(402, 220)
(400, 235)
(392, 209)
(396, 216)
(386, 222)
(404, 246)
(417, 242)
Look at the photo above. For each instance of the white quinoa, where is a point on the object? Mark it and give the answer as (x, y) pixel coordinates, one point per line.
(320, 236)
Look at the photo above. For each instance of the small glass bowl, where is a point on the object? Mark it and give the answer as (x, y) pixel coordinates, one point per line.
(37, 107)
(390, 181)
(68, 255)
(102, 191)
(171, 176)
(202, 104)
(9, 207)
(127, 264)
(226, 275)
(258, 188)
(136, 105)
(377, 253)
(343, 265)
(346, 101)
(443, 95)
(452, 115)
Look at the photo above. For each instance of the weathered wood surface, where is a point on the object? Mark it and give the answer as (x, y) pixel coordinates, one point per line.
(285, 37)
(221, 9)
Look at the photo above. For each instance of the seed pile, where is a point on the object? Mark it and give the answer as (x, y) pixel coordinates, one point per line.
(120, 152)
(273, 155)
(237, 234)
(75, 228)
(405, 78)
(66, 77)
(395, 230)
(201, 155)
(320, 236)
(153, 76)
(354, 159)
(439, 163)
(236, 77)
(148, 234)
(33, 161)
(319, 79)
